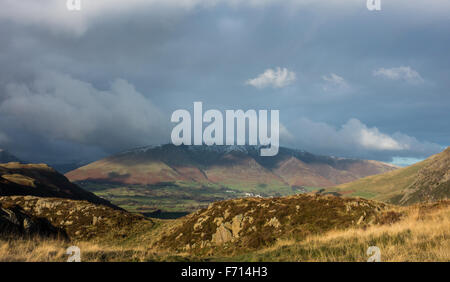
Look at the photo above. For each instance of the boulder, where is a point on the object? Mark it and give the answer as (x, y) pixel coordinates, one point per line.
(14, 222)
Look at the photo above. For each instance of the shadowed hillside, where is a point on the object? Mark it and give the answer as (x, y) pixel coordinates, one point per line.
(78, 220)
(43, 181)
(15, 223)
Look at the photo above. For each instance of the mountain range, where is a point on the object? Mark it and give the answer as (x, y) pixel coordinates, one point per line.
(227, 166)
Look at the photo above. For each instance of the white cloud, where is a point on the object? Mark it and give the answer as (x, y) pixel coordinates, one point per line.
(373, 139)
(355, 138)
(276, 78)
(353, 134)
(334, 82)
(60, 107)
(399, 73)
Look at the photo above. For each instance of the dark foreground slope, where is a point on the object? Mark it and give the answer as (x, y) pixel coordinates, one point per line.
(73, 219)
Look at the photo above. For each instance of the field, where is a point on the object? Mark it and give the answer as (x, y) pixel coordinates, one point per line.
(179, 197)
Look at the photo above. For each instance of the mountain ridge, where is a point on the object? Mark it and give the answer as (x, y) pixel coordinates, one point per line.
(221, 164)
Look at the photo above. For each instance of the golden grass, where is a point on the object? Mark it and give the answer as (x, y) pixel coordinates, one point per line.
(415, 238)
(31, 250)
(423, 234)
(41, 250)
(138, 248)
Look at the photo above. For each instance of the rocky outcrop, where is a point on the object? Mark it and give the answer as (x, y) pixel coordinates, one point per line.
(256, 222)
(227, 231)
(222, 235)
(14, 222)
(79, 220)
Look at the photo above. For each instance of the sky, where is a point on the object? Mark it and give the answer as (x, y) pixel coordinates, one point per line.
(348, 82)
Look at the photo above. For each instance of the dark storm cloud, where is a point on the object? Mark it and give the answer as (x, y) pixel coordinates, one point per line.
(109, 77)
(62, 107)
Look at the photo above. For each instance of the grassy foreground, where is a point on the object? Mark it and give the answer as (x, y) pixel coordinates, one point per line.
(420, 236)
(423, 234)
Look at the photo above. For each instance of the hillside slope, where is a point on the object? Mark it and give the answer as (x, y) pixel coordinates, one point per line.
(428, 180)
(43, 181)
